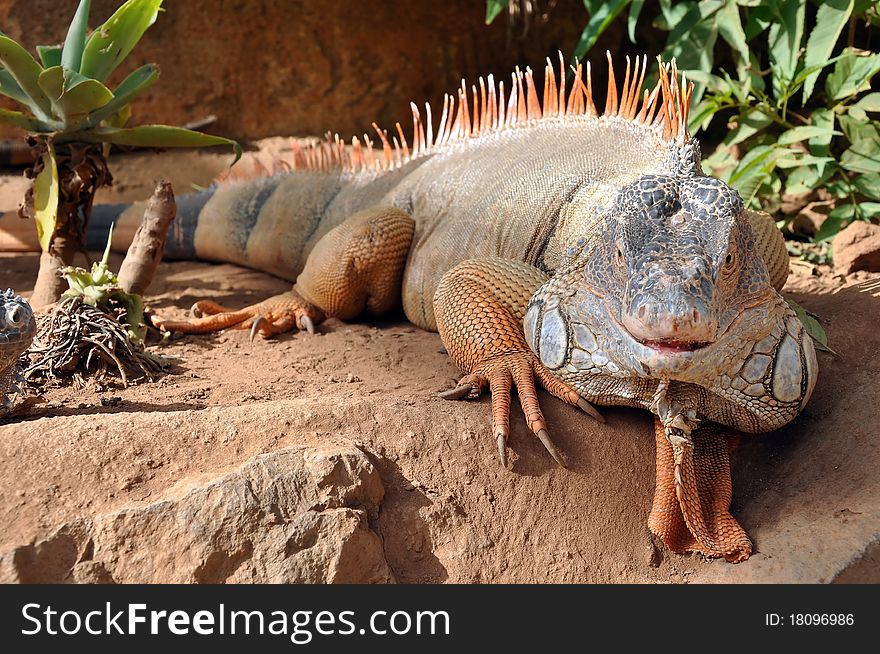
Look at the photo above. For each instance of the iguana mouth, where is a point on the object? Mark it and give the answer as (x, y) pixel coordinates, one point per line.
(674, 347)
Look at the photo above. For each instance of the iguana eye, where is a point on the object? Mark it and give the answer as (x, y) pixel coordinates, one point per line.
(728, 260)
(619, 254)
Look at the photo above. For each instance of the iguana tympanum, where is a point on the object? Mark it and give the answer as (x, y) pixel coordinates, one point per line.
(543, 241)
(17, 329)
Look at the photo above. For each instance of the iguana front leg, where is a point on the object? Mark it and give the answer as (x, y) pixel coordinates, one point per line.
(355, 267)
(691, 510)
(479, 307)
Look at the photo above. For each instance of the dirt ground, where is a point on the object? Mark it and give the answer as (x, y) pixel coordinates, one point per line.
(806, 494)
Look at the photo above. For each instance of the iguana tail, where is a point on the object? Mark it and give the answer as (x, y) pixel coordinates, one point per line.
(125, 218)
(19, 235)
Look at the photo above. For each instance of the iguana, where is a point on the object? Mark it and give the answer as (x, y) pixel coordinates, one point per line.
(543, 241)
(17, 329)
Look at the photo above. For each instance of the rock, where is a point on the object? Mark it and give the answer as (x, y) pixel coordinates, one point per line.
(163, 487)
(810, 217)
(857, 247)
(297, 515)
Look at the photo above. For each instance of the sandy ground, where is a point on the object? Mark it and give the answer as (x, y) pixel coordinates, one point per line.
(807, 494)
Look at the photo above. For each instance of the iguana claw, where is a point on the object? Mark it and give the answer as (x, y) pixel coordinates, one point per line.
(457, 393)
(544, 437)
(255, 327)
(588, 408)
(305, 322)
(501, 439)
(499, 375)
(269, 318)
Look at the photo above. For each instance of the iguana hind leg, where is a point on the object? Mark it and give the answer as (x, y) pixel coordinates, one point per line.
(479, 307)
(356, 266)
(691, 511)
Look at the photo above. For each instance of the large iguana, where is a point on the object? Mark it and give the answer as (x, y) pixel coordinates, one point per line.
(17, 329)
(542, 240)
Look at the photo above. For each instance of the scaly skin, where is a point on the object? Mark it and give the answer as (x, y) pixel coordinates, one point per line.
(695, 333)
(17, 329)
(543, 241)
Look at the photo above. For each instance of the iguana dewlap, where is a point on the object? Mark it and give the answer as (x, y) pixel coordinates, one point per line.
(541, 240)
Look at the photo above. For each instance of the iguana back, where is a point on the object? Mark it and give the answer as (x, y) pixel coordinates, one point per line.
(509, 179)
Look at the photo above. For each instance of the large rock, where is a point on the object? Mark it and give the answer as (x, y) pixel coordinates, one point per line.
(297, 515)
(857, 247)
(135, 485)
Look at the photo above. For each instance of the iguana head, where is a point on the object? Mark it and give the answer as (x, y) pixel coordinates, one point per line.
(17, 328)
(672, 287)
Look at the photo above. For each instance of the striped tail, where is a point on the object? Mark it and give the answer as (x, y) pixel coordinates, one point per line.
(125, 219)
(20, 235)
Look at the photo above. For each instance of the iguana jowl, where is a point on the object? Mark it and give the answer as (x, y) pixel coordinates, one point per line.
(542, 240)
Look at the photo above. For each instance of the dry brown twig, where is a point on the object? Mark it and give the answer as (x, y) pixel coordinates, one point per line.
(82, 336)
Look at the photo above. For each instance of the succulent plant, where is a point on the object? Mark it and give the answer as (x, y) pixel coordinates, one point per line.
(73, 118)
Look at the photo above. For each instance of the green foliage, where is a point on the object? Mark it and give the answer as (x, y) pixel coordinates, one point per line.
(493, 8)
(46, 198)
(812, 326)
(797, 101)
(99, 287)
(69, 102)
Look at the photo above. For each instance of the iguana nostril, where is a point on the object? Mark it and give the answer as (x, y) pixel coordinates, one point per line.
(642, 312)
(696, 315)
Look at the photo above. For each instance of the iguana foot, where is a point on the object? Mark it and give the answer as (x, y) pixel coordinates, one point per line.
(276, 315)
(498, 375)
(691, 511)
(479, 306)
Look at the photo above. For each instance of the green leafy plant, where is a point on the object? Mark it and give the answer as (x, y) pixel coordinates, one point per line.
(73, 118)
(803, 122)
(798, 104)
(99, 288)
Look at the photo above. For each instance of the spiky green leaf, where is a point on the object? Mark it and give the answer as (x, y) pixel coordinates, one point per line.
(155, 136)
(83, 96)
(26, 72)
(72, 53)
(23, 121)
(72, 95)
(10, 88)
(50, 55)
(110, 44)
(132, 86)
(51, 82)
(493, 8)
(46, 199)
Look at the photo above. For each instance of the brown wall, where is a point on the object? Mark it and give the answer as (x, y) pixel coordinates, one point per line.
(303, 67)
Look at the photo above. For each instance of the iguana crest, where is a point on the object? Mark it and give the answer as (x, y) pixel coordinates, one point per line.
(491, 108)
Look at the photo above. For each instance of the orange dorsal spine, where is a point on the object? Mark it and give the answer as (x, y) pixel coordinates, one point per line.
(487, 110)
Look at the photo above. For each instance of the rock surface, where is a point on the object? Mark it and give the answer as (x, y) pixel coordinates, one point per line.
(857, 247)
(297, 515)
(215, 473)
